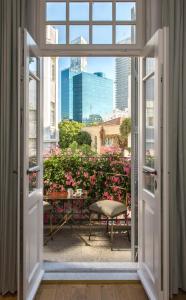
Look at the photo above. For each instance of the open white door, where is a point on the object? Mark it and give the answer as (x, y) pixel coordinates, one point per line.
(150, 167)
(31, 168)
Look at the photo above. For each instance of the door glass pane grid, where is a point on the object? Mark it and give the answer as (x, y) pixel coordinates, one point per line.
(80, 20)
(33, 131)
(149, 125)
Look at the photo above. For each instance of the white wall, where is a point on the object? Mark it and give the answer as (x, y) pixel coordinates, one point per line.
(32, 9)
(153, 17)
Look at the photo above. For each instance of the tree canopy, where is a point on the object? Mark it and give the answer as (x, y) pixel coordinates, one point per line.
(68, 131)
(125, 130)
(83, 137)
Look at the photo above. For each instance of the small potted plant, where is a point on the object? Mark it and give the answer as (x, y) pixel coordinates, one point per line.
(54, 190)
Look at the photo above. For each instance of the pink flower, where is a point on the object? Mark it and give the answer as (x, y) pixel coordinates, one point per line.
(85, 174)
(93, 179)
(115, 188)
(127, 170)
(115, 179)
(62, 188)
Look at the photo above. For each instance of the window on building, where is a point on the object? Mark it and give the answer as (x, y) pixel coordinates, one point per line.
(52, 114)
(91, 22)
(53, 73)
(151, 121)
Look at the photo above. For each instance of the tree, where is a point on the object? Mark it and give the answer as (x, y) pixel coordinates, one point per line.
(125, 130)
(83, 138)
(68, 131)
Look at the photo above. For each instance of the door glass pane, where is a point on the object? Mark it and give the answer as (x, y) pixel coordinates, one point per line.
(55, 34)
(79, 34)
(125, 34)
(102, 11)
(55, 11)
(149, 65)
(32, 134)
(102, 34)
(125, 11)
(32, 181)
(33, 65)
(79, 11)
(149, 122)
(149, 182)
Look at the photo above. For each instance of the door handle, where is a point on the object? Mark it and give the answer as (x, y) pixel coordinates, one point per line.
(35, 169)
(149, 171)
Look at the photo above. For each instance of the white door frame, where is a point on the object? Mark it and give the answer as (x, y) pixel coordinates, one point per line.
(30, 269)
(164, 119)
(165, 130)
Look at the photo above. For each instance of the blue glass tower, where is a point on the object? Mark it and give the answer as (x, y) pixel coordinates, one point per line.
(67, 94)
(92, 94)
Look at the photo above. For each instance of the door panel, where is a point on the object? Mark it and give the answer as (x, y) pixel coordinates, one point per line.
(150, 167)
(31, 166)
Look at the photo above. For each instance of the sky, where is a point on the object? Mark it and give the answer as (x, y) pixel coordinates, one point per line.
(101, 34)
(102, 11)
(94, 64)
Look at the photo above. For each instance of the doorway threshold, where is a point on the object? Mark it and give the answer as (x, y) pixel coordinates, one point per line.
(90, 271)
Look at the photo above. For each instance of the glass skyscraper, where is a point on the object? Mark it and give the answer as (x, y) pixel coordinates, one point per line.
(84, 95)
(92, 94)
(67, 94)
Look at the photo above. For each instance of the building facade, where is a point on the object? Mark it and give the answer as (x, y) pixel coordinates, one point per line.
(122, 72)
(67, 94)
(78, 64)
(106, 137)
(92, 95)
(50, 99)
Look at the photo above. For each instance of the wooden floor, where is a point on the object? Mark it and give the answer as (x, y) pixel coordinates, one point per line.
(91, 292)
(131, 291)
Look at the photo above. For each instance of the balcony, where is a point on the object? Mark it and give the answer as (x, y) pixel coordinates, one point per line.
(98, 177)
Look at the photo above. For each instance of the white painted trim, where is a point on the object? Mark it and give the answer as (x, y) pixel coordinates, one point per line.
(91, 267)
(36, 286)
(105, 51)
(91, 276)
(166, 122)
(152, 280)
(80, 50)
(147, 286)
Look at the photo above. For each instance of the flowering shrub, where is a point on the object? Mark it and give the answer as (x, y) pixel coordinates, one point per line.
(103, 177)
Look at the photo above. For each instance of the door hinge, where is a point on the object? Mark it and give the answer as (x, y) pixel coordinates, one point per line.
(21, 117)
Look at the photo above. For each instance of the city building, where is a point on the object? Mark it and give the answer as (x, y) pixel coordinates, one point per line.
(122, 72)
(92, 94)
(67, 94)
(50, 95)
(79, 64)
(106, 137)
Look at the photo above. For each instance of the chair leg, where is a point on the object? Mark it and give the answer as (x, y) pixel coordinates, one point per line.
(90, 226)
(128, 235)
(51, 225)
(107, 229)
(112, 234)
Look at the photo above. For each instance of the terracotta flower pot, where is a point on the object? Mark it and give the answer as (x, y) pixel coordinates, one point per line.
(57, 194)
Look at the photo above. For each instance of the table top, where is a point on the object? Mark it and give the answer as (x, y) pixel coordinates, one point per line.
(62, 198)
